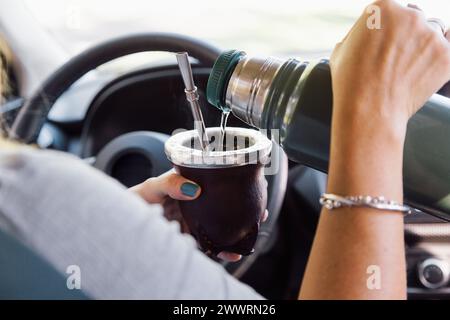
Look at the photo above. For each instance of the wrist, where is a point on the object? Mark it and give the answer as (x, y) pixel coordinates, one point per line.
(359, 117)
(366, 156)
(381, 110)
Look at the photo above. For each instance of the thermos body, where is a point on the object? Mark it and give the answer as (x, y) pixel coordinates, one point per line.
(295, 97)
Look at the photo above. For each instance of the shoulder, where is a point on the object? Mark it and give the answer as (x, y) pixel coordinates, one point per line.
(44, 178)
(33, 164)
(30, 167)
(27, 160)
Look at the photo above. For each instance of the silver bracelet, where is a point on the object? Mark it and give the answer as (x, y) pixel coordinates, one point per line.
(332, 201)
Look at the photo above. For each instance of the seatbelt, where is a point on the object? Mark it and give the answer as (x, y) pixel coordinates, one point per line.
(25, 275)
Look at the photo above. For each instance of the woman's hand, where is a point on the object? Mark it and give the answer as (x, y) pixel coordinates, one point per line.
(387, 74)
(167, 190)
(169, 185)
(380, 77)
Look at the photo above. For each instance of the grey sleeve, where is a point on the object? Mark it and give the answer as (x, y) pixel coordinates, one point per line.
(71, 214)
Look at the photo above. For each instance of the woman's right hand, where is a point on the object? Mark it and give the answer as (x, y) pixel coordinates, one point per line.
(391, 71)
(381, 77)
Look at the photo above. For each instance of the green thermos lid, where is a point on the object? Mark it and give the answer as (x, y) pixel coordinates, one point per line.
(220, 75)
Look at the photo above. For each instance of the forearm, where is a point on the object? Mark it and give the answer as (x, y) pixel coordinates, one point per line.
(378, 84)
(350, 240)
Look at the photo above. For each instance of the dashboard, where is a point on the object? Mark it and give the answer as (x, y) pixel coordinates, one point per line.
(428, 256)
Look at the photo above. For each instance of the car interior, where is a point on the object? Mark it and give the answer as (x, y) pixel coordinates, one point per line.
(118, 122)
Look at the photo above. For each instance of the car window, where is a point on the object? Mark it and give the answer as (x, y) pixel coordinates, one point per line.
(282, 27)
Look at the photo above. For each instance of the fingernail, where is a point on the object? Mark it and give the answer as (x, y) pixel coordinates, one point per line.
(222, 256)
(230, 257)
(189, 189)
(265, 215)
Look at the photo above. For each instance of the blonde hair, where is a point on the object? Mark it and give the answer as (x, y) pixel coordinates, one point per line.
(4, 87)
(4, 57)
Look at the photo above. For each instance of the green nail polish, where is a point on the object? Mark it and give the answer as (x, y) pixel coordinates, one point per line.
(189, 189)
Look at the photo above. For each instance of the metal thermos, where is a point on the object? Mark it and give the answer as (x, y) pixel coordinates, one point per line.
(295, 97)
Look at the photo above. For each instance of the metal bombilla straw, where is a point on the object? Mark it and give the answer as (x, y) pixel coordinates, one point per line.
(193, 98)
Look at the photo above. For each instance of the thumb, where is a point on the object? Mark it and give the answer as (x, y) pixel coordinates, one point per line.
(155, 190)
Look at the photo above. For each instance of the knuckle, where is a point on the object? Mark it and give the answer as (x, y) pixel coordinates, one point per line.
(173, 180)
(440, 44)
(381, 3)
(150, 181)
(446, 60)
(437, 43)
(429, 38)
(441, 51)
(416, 19)
(373, 6)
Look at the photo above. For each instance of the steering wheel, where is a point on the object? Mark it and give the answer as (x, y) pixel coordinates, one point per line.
(34, 113)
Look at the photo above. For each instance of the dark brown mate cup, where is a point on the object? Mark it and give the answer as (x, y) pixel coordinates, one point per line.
(227, 215)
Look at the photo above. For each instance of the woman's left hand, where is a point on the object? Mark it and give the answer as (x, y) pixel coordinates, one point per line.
(166, 190)
(169, 185)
